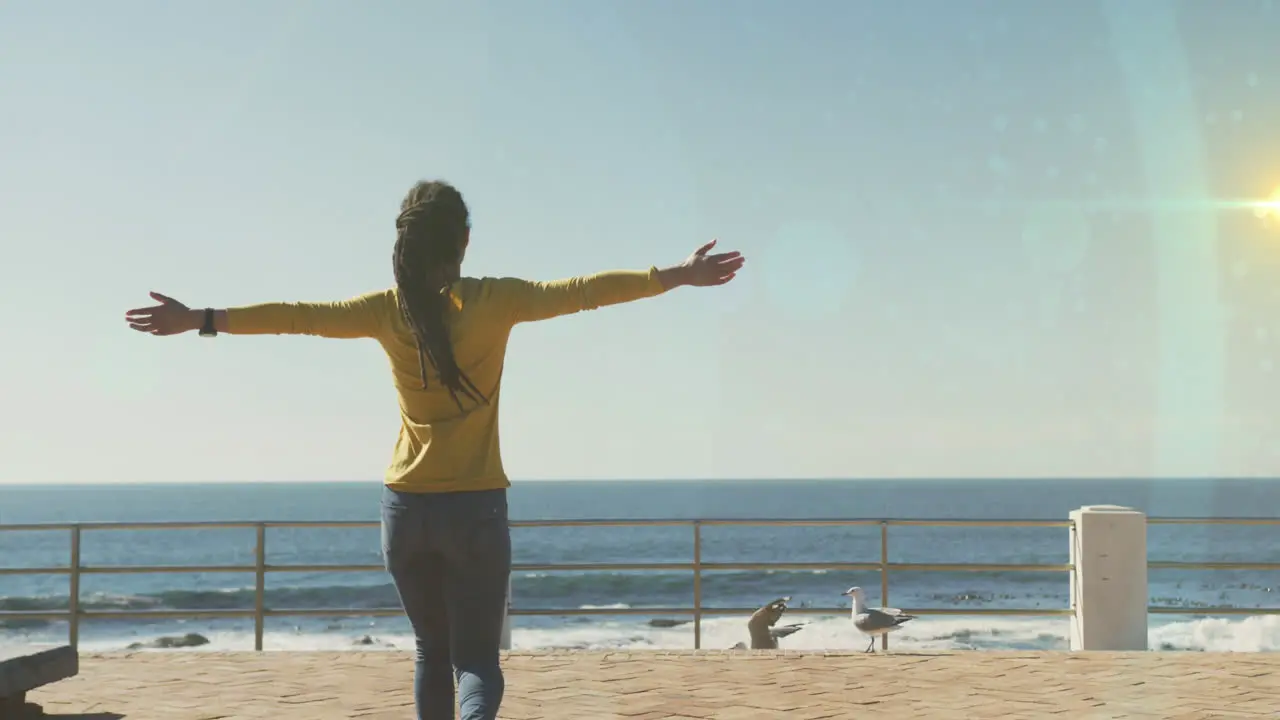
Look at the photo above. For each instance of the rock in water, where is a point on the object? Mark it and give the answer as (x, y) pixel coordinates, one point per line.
(168, 641)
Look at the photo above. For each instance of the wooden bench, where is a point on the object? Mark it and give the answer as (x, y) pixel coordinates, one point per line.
(21, 673)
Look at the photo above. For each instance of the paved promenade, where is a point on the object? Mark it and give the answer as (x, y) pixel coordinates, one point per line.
(650, 686)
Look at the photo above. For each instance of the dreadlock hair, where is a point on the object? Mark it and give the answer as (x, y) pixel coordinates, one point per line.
(431, 233)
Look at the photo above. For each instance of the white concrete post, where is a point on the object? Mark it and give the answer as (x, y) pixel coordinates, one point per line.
(506, 620)
(1109, 585)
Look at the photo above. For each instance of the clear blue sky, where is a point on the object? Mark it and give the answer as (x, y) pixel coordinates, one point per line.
(985, 238)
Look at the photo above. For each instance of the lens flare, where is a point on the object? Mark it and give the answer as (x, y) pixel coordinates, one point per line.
(1269, 209)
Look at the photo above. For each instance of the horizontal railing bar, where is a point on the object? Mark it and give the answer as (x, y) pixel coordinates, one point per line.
(977, 567)
(588, 612)
(335, 612)
(151, 525)
(313, 524)
(34, 615)
(528, 612)
(566, 612)
(714, 566)
(325, 568)
(1012, 612)
(35, 571)
(1165, 610)
(752, 522)
(1165, 565)
(1212, 521)
(371, 612)
(895, 567)
(981, 523)
(834, 522)
(164, 614)
(602, 567)
(602, 523)
(673, 566)
(162, 569)
(618, 522)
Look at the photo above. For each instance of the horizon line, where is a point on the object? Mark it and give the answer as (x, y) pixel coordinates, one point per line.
(914, 478)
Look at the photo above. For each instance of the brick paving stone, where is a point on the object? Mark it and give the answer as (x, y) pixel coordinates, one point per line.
(191, 685)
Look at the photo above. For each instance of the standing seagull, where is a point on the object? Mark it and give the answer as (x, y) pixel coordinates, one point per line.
(875, 621)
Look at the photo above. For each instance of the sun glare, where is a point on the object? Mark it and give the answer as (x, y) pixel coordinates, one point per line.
(1269, 209)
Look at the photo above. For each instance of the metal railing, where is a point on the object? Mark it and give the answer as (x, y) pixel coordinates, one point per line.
(74, 614)
(76, 569)
(1212, 610)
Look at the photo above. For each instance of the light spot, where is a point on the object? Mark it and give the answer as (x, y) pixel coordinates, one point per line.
(1252, 79)
(1237, 116)
(999, 165)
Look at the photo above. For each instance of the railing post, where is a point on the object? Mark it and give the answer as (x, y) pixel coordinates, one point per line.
(1109, 594)
(505, 643)
(73, 592)
(260, 586)
(697, 585)
(884, 576)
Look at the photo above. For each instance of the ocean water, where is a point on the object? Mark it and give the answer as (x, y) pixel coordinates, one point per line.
(783, 499)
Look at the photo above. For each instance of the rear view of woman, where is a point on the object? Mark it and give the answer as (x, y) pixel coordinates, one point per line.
(445, 537)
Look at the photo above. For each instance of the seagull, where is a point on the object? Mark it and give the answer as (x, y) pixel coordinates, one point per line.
(874, 621)
(764, 634)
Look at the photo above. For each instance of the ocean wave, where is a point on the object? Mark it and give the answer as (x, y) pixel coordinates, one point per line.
(536, 589)
(583, 589)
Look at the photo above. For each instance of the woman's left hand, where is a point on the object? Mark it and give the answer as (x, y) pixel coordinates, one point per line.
(170, 317)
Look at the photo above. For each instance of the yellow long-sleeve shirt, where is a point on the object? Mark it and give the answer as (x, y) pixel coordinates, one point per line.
(442, 449)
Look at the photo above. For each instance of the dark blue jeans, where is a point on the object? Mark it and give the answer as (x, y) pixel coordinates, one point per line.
(450, 557)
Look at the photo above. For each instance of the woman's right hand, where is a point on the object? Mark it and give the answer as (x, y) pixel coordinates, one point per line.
(703, 270)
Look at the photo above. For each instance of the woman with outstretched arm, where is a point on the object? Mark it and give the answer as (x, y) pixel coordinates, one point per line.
(445, 537)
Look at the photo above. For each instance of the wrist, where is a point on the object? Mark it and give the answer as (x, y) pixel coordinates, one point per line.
(193, 320)
(673, 277)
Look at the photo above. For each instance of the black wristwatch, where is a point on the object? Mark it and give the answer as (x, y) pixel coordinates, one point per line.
(207, 329)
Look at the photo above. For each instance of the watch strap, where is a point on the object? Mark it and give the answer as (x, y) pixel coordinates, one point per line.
(207, 329)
